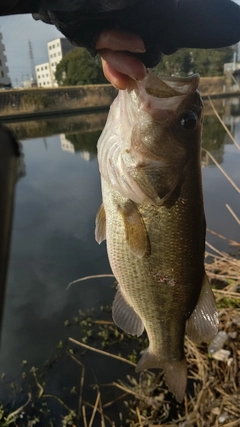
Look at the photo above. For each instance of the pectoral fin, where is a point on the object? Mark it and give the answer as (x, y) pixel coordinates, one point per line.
(136, 233)
(100, 229)
(202, 325)
(125, 317)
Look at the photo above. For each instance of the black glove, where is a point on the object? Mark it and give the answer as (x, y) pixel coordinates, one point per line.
(164, 25)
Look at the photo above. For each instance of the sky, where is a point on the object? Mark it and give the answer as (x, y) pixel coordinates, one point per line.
(17, 30)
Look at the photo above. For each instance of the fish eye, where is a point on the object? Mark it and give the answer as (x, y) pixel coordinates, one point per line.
(189, 121)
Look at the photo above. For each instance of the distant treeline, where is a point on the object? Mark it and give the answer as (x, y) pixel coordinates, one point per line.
(78, 68)
(206, 62)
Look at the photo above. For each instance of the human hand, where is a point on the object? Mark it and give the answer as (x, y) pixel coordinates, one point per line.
(116, 49)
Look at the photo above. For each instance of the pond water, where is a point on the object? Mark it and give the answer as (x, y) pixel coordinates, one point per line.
(53, 238)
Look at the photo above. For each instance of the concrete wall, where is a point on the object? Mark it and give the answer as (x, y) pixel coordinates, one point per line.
(34, 101)
(39, 101)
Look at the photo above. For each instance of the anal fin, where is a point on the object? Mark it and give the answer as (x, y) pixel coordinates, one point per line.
(125, 317)
(136, 233)
(100, 229)
(202, 325)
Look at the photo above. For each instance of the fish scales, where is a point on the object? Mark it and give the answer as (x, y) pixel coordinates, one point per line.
(155, 223)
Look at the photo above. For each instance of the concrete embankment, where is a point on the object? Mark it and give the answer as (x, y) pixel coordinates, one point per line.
(38, 103)
(27, 103)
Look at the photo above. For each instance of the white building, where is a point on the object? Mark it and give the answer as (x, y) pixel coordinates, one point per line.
(4, 79)
(46, 72)
(56, 50)
(230, 67)
(43, 73)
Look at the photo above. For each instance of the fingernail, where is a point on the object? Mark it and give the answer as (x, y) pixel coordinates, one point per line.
(143, 50)
(140, 75)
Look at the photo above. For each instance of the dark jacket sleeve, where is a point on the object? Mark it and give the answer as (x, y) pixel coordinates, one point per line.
(164, 25)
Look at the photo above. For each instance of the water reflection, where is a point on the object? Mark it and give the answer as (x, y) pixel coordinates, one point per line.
(212, 140)
(66, 145)
(84, 143)
(57, 125)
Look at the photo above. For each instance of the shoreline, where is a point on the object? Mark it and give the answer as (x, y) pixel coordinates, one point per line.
(8, 118)
(33, 115)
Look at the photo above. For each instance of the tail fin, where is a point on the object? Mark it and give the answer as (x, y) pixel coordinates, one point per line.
(175, 372)
(176, 378)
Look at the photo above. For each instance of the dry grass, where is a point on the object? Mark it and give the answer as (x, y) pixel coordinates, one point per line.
(213, 397)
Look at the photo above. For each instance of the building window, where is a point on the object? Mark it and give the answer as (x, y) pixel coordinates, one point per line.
(39, 77)
(53, 46)
(55, 54)
(50, 47)
(58, 44)
(44, 83)
(1, 74)
(45, 67)
(59, 53)
(41, 68)
(52, 64)
(0, 62)
(37, 69)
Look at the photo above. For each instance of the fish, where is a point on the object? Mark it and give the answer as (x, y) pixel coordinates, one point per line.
(152, 218)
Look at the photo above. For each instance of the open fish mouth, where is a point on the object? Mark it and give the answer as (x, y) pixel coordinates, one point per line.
(164, 93)
(168, 87)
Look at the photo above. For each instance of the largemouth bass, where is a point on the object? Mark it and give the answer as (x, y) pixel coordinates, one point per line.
(152, 218)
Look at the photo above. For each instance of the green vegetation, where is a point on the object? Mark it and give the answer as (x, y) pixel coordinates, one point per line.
(206, 62)
(78, 68)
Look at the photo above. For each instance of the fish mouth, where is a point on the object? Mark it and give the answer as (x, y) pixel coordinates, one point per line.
(161, 96)
(168, 87)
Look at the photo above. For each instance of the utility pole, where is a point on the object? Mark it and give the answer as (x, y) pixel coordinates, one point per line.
(31, 57)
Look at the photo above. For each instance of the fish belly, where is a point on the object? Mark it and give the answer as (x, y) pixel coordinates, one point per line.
(163, 286)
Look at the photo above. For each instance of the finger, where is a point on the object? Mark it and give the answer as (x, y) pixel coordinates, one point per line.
(120, 40)
(118, 80)
(125, 63)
